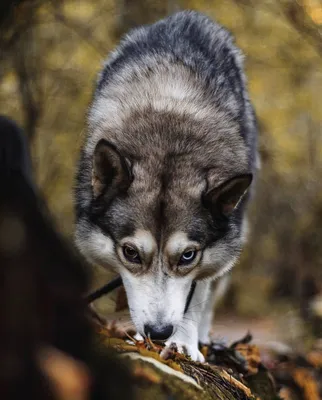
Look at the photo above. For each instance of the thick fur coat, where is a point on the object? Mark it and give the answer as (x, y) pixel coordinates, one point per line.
(166, 171)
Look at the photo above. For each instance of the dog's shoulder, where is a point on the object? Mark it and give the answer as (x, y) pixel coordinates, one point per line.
(187, 37)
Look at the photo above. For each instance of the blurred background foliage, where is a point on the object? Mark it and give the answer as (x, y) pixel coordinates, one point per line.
(50, 53)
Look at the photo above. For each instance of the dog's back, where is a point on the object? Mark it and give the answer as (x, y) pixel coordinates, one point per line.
(186, 65)
(191, 41)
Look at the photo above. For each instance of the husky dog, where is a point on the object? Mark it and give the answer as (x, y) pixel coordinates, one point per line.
(165, 172)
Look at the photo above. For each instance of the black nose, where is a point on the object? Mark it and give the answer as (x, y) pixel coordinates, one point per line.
(158, 333)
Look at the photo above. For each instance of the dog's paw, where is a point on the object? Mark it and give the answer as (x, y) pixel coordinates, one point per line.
(137, 338)
(183, 348)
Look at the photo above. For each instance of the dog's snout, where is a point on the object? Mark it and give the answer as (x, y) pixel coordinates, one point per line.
(158, 333)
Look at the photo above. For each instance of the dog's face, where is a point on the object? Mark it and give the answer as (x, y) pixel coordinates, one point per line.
(160, 223)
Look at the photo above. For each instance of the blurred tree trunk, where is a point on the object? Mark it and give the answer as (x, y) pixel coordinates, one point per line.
(298, 15)
(30, 91)
(132, 13)
(17, 43)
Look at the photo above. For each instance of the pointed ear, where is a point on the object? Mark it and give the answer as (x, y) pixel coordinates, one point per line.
(111, 172)
(225, 198)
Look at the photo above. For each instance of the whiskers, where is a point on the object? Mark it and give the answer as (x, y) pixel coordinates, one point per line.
(193, 307)
(190, 319)
(183, 330)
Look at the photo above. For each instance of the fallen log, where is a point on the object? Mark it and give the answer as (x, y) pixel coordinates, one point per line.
(239, 371)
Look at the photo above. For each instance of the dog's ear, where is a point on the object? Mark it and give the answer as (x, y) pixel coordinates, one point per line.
(224, 198)
(111, 171)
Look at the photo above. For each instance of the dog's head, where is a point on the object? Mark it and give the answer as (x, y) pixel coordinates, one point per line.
(163, 217)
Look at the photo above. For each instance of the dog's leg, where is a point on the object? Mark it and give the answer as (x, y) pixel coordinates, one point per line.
(216, 294)
(186, 336)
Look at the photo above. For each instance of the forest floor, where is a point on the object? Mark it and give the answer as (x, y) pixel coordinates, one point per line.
(227, 329)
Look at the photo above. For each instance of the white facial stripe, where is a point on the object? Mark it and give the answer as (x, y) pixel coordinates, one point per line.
(143, 240)
(155, 300)
(227, 267)
(98, 249)
(220, 258)
(178, 243)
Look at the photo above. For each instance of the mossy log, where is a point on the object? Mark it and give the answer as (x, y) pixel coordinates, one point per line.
(234, 372)
(239, 371)
(178, 377)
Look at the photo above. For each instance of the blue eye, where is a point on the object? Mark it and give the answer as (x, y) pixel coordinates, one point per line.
(187, 257)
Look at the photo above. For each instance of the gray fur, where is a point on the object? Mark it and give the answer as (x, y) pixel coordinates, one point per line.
(173, 100)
